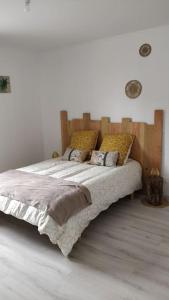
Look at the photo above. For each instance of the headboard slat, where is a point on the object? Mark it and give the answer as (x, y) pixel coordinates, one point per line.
(86, 121)
(105, 126)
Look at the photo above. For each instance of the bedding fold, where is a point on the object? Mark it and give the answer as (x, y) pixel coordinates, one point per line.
(61, 198)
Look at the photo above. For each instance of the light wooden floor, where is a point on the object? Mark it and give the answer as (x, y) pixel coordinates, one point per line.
(124, 254)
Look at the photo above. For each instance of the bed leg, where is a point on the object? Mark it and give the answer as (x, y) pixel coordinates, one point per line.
(132, 196)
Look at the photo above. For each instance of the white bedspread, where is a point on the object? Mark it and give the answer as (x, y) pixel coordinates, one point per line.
(105, 184)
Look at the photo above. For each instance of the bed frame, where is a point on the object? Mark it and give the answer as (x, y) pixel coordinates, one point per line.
(147, 147)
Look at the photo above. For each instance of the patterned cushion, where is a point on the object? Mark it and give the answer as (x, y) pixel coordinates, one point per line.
(84, 140)
(118, 142)
(102, 158)
(75, 155)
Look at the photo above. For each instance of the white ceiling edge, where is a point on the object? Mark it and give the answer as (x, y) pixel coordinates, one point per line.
(17, 46)
(100, 39)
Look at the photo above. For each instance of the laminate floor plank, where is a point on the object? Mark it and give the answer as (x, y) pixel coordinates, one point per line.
(123, 254)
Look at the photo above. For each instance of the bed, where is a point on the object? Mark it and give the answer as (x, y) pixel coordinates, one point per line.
(106, 185)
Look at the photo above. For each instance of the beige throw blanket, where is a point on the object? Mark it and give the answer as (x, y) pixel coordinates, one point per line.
(62, 198)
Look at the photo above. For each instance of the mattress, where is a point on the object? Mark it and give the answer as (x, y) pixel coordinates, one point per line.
(106, 185)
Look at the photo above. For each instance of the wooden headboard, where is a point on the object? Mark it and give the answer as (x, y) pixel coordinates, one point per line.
(147, 147)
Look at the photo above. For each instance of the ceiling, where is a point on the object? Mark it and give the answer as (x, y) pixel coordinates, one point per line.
(56, 23)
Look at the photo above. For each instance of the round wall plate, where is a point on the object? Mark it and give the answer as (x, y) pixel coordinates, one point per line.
(145, 50)
(133, 89)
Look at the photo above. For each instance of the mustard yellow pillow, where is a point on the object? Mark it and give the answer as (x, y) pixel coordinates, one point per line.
(84, 140)
(118, 142)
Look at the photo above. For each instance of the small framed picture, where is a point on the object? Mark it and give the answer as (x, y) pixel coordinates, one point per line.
(5, 86)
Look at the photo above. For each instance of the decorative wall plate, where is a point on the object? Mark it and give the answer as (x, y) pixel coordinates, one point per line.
(133, 89)
(145, 50)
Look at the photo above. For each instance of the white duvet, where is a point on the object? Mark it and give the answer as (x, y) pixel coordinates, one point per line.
(106, 185)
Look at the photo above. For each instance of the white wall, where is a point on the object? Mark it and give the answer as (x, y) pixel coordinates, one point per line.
(20, 119)
(92, 77)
